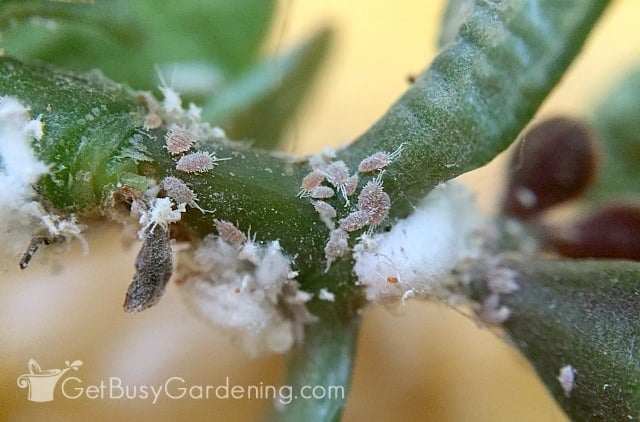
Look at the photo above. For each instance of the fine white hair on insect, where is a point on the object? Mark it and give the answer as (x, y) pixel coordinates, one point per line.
(327, 213)
(354, 221)
(230, 233)
(351, 185)
(378, 160)
(311, 181)
(337, 174)
(178, 190)
(321, 192)
(196, 162)
(374, 201)
(179, 139)
(336, 246)
(172, 102)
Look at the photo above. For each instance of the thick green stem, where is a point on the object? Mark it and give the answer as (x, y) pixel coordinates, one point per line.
(584, 314)
(478, 93)
(324, 361)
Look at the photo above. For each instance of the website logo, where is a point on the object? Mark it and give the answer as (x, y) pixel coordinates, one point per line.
(42, 383)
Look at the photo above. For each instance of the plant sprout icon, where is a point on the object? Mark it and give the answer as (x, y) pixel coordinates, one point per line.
(42, 383)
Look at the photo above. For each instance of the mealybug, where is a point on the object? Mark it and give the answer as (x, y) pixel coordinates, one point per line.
(196, 162)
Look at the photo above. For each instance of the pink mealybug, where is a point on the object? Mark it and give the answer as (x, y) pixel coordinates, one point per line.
(374, 201)
(337, 174)
(311, 181)
(178, 190)
(321, 192)
(351, 185)
(324, 209)
(196, 162)
(327, 213)
(378, 160)
(179, 139)
(354, 221)
(229, 232)
(336, 245)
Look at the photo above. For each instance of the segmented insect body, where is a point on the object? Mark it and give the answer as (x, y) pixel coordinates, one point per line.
(354, 221)
(154, 266)
(179, 139)
(378, 160)
(311, 181)
(321, 192)
(177, 190)
(229, 232)
(196, 162)
(374, 201)
(336, 245)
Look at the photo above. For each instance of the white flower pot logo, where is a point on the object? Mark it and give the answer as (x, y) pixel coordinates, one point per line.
(42, 383)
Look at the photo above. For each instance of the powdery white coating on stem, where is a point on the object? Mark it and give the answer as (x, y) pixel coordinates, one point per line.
(567, 379)
(249, 293)
(21, 216)
(196, 162)
(420, 251)
(230, 233)
(179, 139)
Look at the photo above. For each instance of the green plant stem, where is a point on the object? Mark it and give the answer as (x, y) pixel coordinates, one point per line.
(478, 93)
(325, 359)
(583, 313)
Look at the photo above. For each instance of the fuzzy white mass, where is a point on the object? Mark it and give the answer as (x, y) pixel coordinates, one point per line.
(416, 257)
(249, 292)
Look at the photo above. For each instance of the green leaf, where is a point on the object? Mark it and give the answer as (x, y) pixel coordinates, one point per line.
(258, 105)
(585, 314)
(617, 119)
(88, 122)
(478, 94)
(222, 36)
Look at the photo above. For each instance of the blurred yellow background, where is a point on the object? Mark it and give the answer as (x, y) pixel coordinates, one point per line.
(429, 363)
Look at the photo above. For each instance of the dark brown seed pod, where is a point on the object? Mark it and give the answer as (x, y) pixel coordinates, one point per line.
(553, 162)
(154, 266)
(612, 232)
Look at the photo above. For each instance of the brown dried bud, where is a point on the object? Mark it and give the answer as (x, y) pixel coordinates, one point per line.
(554, 161)
(612, 232)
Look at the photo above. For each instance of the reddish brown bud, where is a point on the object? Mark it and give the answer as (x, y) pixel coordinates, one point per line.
(612, 232)
(553, 162)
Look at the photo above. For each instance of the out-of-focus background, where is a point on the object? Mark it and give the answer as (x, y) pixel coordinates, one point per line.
(427, 363)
